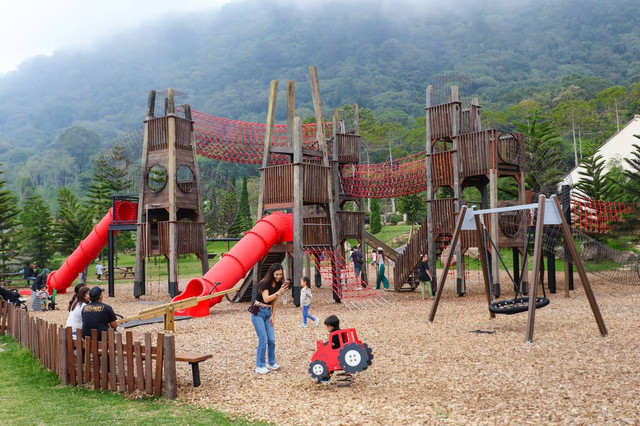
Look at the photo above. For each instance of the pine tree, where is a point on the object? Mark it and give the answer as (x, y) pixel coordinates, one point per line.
(74, 221)
(244, 221)
(593, 183)
(375, 220)
(99, 196)
(37, 233)
(9, 212)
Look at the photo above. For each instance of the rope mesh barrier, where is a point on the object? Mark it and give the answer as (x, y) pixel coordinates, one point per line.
(339, 274)
(595, 216)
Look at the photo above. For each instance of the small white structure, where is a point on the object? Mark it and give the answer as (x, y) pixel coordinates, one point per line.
(616, 148)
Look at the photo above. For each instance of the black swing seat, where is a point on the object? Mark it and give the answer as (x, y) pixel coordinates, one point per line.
(517, 305)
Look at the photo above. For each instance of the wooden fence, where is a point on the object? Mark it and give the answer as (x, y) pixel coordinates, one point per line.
(109, 363)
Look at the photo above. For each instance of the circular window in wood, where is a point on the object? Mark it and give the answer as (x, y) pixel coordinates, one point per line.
(185, 179)
(157, 178)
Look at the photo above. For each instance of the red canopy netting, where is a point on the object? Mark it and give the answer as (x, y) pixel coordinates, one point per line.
(395, 178)
(594, 216)
(340, 275)
(241, 142)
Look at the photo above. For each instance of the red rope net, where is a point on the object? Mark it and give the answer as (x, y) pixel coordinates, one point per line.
(241, 142)
(395, 178)
(340, 275)
(594, 216)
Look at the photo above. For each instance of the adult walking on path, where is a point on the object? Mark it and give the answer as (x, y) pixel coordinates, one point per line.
(424, 275)
(263, 318)
(381, 278)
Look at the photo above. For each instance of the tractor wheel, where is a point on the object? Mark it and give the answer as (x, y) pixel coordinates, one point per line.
(318, 370)
(370, 353)
(353, 358)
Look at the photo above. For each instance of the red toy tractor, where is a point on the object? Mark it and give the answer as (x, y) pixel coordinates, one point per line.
(352, 355)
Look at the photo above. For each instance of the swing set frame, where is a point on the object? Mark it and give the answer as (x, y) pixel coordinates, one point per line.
(547, 214)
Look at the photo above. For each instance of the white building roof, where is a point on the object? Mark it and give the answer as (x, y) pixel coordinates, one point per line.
(616, 148)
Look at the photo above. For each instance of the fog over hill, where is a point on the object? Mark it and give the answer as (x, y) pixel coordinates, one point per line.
(380, 55)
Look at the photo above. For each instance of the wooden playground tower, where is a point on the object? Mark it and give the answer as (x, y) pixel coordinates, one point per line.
(303, 178)
(170, 217)
(460, 154)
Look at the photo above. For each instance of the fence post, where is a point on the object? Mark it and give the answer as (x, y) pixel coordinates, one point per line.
(63, 360)
(171, 383)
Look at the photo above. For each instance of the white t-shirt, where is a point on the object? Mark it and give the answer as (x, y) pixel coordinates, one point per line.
(75, 317)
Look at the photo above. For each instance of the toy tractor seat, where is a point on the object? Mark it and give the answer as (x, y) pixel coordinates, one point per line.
(353, 356)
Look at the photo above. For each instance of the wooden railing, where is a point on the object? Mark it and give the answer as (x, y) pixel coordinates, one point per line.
(440, 120)
(350, 224)
(348, 148)
(315, 231)
(157, 137)
(442, 169)
(109, 364)
(407, 261)
(278, 188)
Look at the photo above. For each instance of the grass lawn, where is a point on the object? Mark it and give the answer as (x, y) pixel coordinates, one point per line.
(30, 394)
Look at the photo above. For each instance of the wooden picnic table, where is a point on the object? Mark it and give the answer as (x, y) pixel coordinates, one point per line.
(8, 278)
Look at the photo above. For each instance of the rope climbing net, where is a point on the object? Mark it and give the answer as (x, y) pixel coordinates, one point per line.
(339, 274)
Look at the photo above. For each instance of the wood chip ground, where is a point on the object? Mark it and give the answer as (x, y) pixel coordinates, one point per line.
(422, 373)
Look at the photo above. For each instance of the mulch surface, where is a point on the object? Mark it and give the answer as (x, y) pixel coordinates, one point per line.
(422, 373)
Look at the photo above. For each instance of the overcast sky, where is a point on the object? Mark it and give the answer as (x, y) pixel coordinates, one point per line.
(40, 27)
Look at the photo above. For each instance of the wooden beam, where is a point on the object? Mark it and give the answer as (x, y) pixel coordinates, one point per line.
(454, 241)
(537, 258)
(581, 271)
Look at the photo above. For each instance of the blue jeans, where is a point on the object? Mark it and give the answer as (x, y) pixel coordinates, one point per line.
(305, 314)
(266, 337)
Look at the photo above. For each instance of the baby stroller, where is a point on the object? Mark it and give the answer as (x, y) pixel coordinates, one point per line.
(12, 296)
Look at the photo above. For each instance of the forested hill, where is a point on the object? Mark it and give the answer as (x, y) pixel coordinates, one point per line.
(380, 55)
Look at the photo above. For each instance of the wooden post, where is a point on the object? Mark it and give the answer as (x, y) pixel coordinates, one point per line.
(454, 241)
(172, 172)
(122, 384)
(493, 203)
(581, 271)
(157, 381)
(138, 280)
(457, 188)
(431, 244)
(537, 259)
(63, 361)
(170, 378)
(148, 365)
(482, 244)
(266, 155)
(298, 212)
(291, 110)
(204, 260)
(322, 142)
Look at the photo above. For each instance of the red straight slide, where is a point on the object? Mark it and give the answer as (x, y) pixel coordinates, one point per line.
(89, 248)
(276, 228)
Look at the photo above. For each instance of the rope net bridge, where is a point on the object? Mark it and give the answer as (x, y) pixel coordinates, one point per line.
(339, 274)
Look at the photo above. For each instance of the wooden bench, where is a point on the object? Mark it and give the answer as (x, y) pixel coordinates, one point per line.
(193, 359)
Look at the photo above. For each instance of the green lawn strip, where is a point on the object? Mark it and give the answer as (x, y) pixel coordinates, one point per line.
(30, 394)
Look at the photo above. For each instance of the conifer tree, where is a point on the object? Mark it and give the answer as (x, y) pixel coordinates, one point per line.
(37, 233)
(9, 212)
(375, 220)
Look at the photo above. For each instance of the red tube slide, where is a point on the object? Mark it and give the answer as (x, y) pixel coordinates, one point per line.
(89, 248)
(276, 228)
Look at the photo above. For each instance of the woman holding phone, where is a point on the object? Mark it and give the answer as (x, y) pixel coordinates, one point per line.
(267, 295)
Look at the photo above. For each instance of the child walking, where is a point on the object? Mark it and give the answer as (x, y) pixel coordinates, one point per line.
(305, 302)
(99, 269)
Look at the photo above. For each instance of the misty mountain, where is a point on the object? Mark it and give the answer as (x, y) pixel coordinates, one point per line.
(381, 56)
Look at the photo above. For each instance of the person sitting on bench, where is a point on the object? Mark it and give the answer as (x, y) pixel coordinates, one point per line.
(97, 315)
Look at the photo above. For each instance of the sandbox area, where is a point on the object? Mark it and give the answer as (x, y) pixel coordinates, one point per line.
(422, 373)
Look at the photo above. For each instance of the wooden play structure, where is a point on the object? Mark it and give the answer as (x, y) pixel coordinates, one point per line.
(302, 177)
(170, 218)
(550, 214)
(460, 154)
